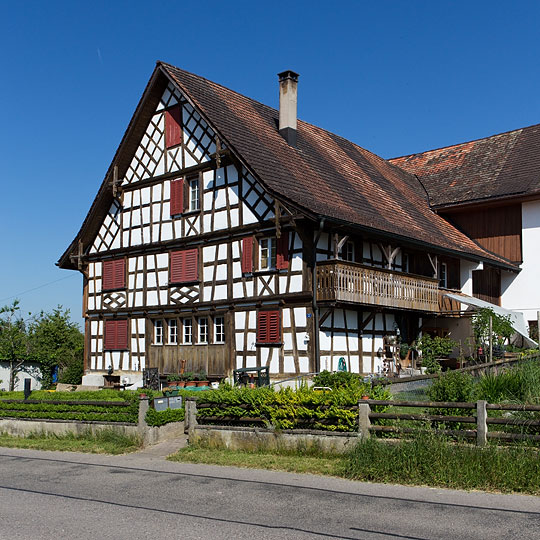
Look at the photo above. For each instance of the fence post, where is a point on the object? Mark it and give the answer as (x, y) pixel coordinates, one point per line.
(363, 419)
(481, 423)
(190, 420)
(142, 426)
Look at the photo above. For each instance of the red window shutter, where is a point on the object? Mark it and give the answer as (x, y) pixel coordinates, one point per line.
(184, 266)
(268, 327)
(122, 334)
(119, 273)
(173, 126)
(247, 255)
(282, 252)
(274, 327)
(262, 327)
(107, 276)
(116, 334)
(177, 196)
(114, 275)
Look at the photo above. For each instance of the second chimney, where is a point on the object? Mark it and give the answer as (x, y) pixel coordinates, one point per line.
(288, 92)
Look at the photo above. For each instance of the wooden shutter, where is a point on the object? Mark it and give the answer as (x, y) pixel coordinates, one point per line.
(107, 277)
(184, 266)
(173, 126)
(282, 252)
(116, 334)
(268, 327)
(177, 196)
(114, 275)
(247, 255)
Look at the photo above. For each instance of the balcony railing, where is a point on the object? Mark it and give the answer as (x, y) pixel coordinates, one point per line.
(351, 282)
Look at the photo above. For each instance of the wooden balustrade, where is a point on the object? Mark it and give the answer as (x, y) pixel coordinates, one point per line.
(352, 282)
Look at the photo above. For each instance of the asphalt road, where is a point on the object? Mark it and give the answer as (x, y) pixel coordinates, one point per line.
(53, 495)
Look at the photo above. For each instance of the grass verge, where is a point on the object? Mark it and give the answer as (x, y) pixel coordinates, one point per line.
(273, 461)
(103, 442)
(426, 460)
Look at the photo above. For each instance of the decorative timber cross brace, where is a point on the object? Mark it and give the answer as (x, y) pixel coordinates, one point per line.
(389, 255)
(338, 244)
(79, 257)
(115, 183)
(220, 152)
(434, 260)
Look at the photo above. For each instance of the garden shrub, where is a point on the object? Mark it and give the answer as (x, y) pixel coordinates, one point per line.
(160, 418)
(452, 386)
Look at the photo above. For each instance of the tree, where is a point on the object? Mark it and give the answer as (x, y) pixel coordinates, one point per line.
(14, 345)
(501, 327)
(57, 342)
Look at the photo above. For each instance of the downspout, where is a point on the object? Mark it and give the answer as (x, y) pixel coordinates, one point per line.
(315, 306)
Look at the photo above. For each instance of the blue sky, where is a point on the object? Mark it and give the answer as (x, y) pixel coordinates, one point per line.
(396, 77)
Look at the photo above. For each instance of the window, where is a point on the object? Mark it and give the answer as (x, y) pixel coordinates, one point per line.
(173, 331)
(173, 126)
(268, 327)
(219, 329)
(443, 275)
(267, 253)
(184, 266)
(194, 195)
(188, 331)
(347, 251)
(203, 330)
(114, 275)
(158, 332)
(405, 262)
(116, 334)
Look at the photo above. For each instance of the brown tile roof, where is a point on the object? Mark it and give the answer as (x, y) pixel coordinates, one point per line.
(499, 166)
(326, 174)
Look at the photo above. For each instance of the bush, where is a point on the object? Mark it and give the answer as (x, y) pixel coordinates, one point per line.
(452, 386)
(73, 372)
(160, 418)
(339, 379)
(434, 348)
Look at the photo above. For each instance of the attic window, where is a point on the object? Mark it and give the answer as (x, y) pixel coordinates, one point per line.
(173, 126)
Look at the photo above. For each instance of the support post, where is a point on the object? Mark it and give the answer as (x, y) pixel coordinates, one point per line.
(144, 405)
(190, 420)
(481, 423)
(538, 327)
(490, 339)
(363, 419)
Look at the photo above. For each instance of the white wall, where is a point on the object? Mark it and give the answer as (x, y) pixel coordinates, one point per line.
(521, 292)
(31, 372)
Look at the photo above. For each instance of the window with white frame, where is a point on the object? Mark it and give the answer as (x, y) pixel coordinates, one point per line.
(267, 253)
(203, 330)
(158, 332)
(187, 325)
(194, 194)
(219, 329)
(173, 331)
(443, 275)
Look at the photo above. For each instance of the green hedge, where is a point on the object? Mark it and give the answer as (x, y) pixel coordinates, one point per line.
(97, 411)
(160, 418)
(304, 408)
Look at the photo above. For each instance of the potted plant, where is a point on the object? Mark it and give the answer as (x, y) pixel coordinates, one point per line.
(202, 378)
(189, 377)
(173, 379)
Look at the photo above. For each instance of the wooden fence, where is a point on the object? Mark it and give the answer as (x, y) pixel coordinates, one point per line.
(369, 421)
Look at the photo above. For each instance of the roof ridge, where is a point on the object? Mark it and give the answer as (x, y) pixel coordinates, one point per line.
(464, 142)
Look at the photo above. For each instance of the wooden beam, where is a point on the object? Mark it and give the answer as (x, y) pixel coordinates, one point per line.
(434, 264)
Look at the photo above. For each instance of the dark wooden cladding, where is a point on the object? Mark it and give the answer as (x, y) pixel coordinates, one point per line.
(216, 360)
(497, 229)
(487, 285)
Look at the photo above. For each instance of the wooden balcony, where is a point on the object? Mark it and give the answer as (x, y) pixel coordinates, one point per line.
(351, 282)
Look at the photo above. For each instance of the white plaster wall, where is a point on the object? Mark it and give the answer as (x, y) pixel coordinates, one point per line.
(31, 371)
(521, 292)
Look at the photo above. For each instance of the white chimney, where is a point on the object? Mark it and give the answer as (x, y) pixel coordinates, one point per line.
(288, 92)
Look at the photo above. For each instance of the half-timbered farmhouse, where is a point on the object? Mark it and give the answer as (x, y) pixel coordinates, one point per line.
(230, 234)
